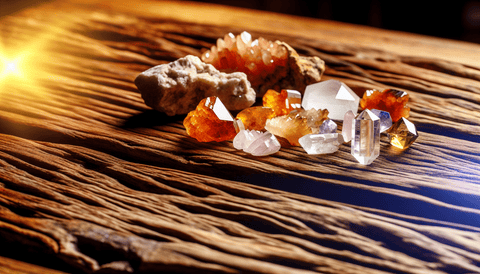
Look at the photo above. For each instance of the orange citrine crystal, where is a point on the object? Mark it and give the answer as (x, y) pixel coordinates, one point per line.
(254, 118)
(390, 100)
(284, 102)
(256, 58)
(210, 121)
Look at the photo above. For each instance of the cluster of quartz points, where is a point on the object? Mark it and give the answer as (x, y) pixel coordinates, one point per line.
(285, 118)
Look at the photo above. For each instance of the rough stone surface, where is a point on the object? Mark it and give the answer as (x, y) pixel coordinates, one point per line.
(177, 87)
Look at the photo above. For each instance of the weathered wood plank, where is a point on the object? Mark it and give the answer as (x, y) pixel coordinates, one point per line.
(93, 177)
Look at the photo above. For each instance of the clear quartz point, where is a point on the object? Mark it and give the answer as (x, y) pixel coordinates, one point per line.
(385, 119)
(328, 126)
(347, 129)
(366, 137)
(320, 143)
(256, 143)
(332, 95)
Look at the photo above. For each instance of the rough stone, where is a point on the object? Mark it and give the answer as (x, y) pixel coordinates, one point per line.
(177, 87)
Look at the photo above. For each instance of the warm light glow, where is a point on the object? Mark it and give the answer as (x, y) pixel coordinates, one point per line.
(10, 68)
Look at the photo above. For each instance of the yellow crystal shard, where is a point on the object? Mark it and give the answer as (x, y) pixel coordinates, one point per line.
(402, 134)
(254, 118)
(284, 102)
(210, 121)
(296, 124)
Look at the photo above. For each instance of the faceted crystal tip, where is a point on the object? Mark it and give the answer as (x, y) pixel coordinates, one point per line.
(402, 134)
(366, 137)
(385, 119)
(332, 95)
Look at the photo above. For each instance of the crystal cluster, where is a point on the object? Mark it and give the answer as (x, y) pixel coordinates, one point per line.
(267, 64)
(391, 100)
(256, 143)
(284, 102)
(255, 118)
(210, 121)
(297, 124)
(320, 143)
(332, 95)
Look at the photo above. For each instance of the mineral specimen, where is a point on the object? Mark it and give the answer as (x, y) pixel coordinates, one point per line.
(333, 95)
(296, 124)
(320, 143)
(256, 143)
(347, 127)
(366, 137)
(385, 119)
(402, 134)
(390, 100)
(210, 121)
(284, 102)
(177, 87)
(254, 118)
(328, 126)
(268, 65)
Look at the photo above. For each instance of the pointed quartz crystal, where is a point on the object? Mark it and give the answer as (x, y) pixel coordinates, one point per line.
(320, 143)
(256, 143)
(385, 119)
(332, 95)
(402, 134)
(328, 126)
(347, 126)
(366, 137)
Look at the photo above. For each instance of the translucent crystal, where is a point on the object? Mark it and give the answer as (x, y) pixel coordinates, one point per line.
(320, 143)
(347, 129)
(333, 95)
(366, 137)
(296, 124)
(284, 102)
(254, 118)
(210, 121)
(402, 134)
(256, 143)
(385, 119)
(328, 126)
(391, 100)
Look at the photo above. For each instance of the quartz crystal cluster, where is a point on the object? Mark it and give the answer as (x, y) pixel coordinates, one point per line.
(391, 100)
(256, 142)
(267, 64)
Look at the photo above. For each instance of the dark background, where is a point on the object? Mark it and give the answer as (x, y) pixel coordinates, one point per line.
(459, 20)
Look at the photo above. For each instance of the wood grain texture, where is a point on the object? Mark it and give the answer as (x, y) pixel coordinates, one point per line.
(91, 176)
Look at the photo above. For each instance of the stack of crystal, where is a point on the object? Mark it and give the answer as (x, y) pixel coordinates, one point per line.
(255, 129)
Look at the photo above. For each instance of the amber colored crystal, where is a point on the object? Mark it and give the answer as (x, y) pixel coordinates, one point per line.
(257, 59)
(390, 100)
(254, 118)
(297, 124)
(282, 102)
(210, 121)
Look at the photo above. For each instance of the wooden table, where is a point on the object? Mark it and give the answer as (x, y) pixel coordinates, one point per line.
(92, 180)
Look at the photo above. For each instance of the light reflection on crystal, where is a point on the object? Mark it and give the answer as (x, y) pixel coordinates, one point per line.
(366, 137)
(328, 126)
(385, 119)
(320, 143)
(402, 134)
(256, 143)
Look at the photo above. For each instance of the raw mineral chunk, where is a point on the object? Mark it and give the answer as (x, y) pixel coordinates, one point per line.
(255, 118)
(390, 100)
(210, 121)
(296, 124)
(177, 87)
(320, 143)
(256, 143)
(284, 102)
(268, 65)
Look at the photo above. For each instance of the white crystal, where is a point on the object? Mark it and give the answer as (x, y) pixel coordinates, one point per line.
(328, 126)
(385, 119)
(366, 137)
(256, 143)
(347, 129)
(333, 95)
(320, 143)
